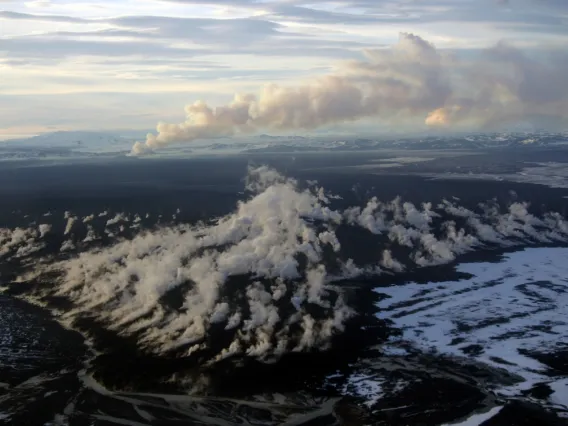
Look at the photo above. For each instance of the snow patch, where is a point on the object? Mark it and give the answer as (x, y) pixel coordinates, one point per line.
(519, 304)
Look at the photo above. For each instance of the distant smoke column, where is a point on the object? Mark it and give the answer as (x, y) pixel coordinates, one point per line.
(43, 229)
(70, 222)
(412, 83)
(360, 90)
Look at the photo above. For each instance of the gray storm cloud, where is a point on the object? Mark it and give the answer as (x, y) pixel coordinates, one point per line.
(411, 82)
(283, 241)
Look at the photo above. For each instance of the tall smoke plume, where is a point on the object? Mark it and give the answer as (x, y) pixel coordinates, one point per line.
(411, 82)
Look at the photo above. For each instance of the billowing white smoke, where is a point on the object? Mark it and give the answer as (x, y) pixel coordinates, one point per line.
(21, 242)
(264, 238)
(410, 83)
(261, 270)
(67, 245)
(44, 229)
(388, 262)
(91, 235)
(119, 217)
(70, 222)
(88, 218)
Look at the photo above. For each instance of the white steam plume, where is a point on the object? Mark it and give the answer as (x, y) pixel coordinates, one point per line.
(44, 228)
(119, 217)
(18, 242)
(88, 218)
(91, 235)
(67, 246)
(258, 271)
(70, 222)
(263, 237)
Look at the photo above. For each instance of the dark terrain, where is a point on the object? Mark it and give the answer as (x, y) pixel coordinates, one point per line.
(49, 374)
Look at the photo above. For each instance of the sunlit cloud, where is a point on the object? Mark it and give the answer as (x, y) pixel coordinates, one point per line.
(215, 48)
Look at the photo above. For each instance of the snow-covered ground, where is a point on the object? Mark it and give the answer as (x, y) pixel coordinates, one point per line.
(477, 419)
(551, 174)
(501, 313)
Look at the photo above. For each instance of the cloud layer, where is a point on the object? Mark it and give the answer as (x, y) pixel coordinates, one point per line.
(110, 64)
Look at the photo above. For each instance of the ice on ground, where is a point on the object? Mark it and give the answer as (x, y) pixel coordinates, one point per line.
(366, 386)
(560, 392)
(391, 350)
(498, 316)
(477, 419)
(401, 161)
(551, 174)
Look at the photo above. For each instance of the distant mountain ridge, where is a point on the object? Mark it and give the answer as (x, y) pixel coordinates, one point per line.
(79, 143)
(69, 139)
(520, 140)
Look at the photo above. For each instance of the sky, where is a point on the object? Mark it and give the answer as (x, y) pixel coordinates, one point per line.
(130, 64)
